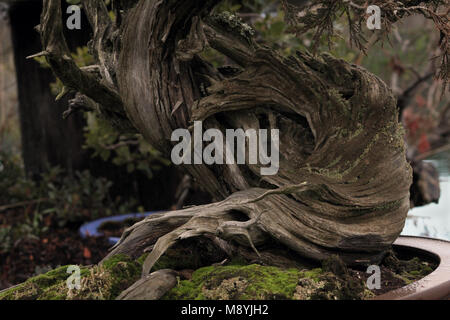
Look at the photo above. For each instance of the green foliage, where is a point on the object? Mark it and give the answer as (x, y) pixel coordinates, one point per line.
(328, 25)
(13, 185)
(79, 198)
(58, 198)
(269, 23)
(131, 151)
(272, 30)
(268, 27)
(320, 17)
(82, 58)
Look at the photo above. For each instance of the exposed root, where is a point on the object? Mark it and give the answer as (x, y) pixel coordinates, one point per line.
(215, 220)
(151, 287)
(232, 229)
(290, 189)
(219, 221)
(145, 233)
(197, 226)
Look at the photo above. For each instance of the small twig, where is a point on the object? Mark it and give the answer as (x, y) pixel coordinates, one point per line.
(295, 188)
(20, 204)
(39, 54)
(430, 153)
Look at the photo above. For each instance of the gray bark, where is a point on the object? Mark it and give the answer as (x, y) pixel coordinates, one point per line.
(343, 183)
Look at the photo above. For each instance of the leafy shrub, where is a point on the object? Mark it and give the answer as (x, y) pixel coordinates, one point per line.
(79, 198)
(129, 150)
(57, 200)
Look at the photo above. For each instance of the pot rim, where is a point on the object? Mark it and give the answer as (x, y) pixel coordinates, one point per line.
(90, 229)
(436, 285)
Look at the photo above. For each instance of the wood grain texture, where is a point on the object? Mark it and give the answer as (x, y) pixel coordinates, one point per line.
(343, 182)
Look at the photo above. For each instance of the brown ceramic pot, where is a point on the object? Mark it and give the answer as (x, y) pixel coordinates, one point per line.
(436, 285)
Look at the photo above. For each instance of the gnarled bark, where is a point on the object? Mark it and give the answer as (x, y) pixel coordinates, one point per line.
(343, 181)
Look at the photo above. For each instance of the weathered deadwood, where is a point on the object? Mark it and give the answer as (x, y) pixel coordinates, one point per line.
(343, 180)
(151, 287)
(74, 78)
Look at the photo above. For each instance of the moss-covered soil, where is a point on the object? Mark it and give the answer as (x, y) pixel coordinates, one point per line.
(97, 282)
(235, 280)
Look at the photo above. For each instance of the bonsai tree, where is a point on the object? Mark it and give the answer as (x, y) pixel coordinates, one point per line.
(343, 182)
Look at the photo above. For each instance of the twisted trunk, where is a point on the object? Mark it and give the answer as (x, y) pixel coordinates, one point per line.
(343, 180)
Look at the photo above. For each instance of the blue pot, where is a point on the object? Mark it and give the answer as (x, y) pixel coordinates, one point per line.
(90, 229)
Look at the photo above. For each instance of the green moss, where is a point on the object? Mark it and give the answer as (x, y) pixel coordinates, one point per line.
(332, 174)
(114, 260)
(40, 286)
(337, 100)
(408, 270)
(142, 258)
(247, 282)
(15, 293)
(235, 24)
(237, 282)
(391, 134)
(350, 134)
(123, 272)
(51, 277)
(415, 269)
(166, 262)
(313, 274)
(105, 281)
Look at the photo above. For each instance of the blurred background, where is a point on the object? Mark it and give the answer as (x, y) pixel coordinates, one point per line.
(58, 174)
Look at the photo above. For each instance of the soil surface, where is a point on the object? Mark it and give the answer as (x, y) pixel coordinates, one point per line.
(330, 281)
(391, 274)
(60, 246)
(116, 228)
(32, 254)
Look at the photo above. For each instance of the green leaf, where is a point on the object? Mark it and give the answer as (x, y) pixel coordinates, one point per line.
(130, 168)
